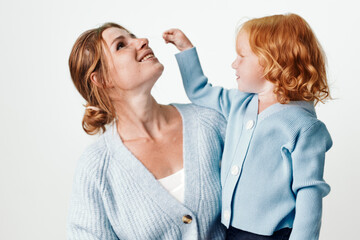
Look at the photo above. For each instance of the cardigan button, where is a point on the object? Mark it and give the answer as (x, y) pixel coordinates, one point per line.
(187, 219)
(235, 170)
(249, 124)
(226, 215)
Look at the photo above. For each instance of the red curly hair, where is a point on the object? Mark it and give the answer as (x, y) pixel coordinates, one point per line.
(291, 56)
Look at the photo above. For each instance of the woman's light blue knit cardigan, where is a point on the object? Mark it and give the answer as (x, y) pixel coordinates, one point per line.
(116, 197)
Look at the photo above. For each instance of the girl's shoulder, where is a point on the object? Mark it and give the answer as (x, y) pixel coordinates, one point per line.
(296, 114)
(300, 120)
(293, 118)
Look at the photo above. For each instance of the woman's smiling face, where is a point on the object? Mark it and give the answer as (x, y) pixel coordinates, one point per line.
(131, 62)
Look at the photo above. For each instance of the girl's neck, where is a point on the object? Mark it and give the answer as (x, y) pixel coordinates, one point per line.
(266, 99)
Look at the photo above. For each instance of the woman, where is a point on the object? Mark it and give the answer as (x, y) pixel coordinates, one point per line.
(154, 171)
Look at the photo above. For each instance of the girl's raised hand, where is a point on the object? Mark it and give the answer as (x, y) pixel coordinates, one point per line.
(178, 38)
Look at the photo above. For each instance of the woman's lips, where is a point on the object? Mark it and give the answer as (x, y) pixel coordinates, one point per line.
(149, 56)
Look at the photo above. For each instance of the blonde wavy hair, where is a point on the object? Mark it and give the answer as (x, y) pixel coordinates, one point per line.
(291, 56)
(88, 56)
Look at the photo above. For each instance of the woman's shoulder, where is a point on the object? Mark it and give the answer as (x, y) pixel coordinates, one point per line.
(206, 117)
(94, 149)
(200, 112)
(92, 160)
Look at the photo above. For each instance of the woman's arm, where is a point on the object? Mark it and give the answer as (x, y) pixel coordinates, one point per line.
(87, 219)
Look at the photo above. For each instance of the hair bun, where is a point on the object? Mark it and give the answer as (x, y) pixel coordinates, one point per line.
(95, 119)
(93, 108)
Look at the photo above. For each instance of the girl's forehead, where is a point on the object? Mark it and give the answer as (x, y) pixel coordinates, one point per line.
(242, 41)
(242, 37)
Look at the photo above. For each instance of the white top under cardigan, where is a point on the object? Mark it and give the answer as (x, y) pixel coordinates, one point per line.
(174, 184)
(116, 197)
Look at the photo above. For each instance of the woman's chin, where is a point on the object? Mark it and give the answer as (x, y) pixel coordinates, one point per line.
(156, 74)
(159, 70)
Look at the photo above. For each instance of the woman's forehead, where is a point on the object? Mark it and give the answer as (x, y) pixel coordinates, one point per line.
(112, 33)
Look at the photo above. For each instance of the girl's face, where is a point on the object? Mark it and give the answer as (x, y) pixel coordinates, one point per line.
(131, 62)
(249, 72)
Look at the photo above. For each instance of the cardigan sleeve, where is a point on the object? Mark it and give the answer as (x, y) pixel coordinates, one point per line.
(197, 87)
(308, 185)
(87, 219)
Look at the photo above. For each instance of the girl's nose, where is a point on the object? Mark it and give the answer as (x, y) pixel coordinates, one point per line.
(234, 64)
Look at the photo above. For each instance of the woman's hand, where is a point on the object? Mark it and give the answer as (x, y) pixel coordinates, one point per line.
(178, 38)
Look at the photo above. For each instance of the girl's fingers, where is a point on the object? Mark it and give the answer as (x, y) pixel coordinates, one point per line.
(171, 30)
(168, 37)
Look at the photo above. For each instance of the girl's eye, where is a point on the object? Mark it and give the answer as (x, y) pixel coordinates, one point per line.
(120, 45)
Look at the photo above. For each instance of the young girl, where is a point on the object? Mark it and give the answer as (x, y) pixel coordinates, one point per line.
(273, 160)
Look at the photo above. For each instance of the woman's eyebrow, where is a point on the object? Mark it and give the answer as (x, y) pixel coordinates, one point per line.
(117, 38)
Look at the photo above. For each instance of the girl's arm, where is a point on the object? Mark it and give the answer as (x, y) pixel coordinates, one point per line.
(195, 82)
(197, 87)
(308, 184)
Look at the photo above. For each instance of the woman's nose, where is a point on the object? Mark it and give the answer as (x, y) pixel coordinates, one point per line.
(141, 43)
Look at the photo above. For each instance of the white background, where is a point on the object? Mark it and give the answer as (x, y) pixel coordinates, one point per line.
(41, 136)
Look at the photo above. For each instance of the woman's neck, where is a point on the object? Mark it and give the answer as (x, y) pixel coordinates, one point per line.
(140, 117)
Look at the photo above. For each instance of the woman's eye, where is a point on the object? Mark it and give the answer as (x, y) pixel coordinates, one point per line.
(120, 45)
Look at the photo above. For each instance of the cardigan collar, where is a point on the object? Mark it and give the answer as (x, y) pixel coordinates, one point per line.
(308, 106)
(147, 181)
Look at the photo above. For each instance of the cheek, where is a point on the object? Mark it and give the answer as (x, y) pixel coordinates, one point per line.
(254, 69)
(251, 76)
(247, 72)
(123, 77)
(256, 62)
(259, 70)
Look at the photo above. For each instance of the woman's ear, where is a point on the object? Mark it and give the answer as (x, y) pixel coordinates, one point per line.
(99, 82)
(95, 79)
